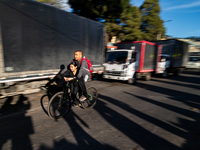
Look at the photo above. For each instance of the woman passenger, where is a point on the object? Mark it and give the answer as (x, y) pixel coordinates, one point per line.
(71, 77)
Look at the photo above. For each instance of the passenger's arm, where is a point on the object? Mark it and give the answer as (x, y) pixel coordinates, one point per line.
(68, 78)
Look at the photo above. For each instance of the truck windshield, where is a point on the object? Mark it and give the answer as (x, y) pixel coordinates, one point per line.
(194, 59)
(118, 57)
(165, 58)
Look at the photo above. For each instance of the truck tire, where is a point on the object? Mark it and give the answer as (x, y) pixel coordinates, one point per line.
(132, 80)
(147, 77)
(164, 75)
(177, 72)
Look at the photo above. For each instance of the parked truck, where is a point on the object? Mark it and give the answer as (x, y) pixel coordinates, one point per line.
(36, 39)
(194, 61)
(132, 60)
(174, 56)
(137, 59)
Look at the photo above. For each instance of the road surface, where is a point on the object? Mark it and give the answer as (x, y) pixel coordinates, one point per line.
(160, 114)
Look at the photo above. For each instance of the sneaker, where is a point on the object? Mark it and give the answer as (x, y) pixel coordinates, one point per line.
(82, 98)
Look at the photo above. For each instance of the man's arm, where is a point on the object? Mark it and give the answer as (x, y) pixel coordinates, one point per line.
(83, 69)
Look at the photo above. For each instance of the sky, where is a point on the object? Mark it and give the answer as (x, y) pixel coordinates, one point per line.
(184, 16)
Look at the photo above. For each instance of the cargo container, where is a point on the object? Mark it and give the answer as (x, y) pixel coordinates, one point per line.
(174, 55)
(36, 39)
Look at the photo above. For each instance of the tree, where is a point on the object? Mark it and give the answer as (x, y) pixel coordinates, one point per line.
(55, 3)
(113, 29)
(131, 22)
(152, 26)
(107, 10)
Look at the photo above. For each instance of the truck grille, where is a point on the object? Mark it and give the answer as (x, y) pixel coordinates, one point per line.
(114, 73)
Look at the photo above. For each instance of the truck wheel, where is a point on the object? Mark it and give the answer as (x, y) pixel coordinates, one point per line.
(164, 75)
(132, 80)
(177, 72)
(147, 77)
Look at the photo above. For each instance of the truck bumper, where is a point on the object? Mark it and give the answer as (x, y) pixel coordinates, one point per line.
(98, 70)
(116, 77)
(160, 71)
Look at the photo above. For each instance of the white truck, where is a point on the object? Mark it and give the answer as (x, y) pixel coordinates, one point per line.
(194, 61)
(138, 59)
(121, 65)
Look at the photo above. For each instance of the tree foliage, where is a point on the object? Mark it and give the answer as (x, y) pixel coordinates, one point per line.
(130, 21)
(152, 26)
(55, 3)
(120, 18)
(108, 10)
(113, 29)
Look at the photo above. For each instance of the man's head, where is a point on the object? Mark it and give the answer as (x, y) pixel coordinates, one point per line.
(77, 55)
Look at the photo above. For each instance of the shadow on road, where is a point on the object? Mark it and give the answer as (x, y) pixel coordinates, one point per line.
(83, 139)
(137, 133)
(188, 77)
(63, 144)
(18, 128)
(11, 105)
(189, 99)
(192, 128)
(189, 85)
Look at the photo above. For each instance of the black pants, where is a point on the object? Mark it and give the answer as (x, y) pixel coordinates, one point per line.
(81, 84)
(74, 89)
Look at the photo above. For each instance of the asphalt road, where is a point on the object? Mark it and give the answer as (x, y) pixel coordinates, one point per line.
(161, 114)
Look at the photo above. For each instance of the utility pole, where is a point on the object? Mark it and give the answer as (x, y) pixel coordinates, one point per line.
(1, 53)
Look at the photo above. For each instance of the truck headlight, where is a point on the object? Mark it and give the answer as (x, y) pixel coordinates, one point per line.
(125, 66)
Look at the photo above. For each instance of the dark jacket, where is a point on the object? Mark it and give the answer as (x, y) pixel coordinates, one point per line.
(83, 71)
(69, 73)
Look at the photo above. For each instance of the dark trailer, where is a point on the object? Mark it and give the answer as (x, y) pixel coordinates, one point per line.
(177, 50)
(36, 39)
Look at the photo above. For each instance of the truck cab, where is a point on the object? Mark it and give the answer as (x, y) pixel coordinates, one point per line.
(163, 65)
(121, 65)
(193, 62)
